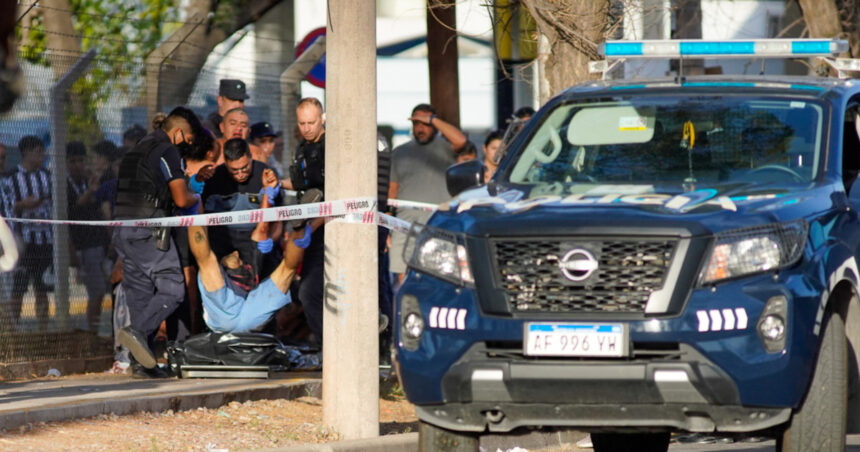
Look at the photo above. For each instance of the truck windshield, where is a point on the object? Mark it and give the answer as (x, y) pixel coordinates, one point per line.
(673, 144)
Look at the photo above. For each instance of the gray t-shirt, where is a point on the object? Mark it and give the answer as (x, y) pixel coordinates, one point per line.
(420, 170)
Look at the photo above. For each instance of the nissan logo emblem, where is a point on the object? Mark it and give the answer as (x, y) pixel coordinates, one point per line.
(578, 264)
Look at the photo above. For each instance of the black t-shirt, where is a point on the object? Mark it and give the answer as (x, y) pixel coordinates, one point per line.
(223, 194)
(222, 182)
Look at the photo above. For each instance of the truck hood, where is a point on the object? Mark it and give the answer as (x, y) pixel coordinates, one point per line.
(701, 212)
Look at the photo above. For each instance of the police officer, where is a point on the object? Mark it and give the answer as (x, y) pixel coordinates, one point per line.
(307, 173)
(152, 184)
(231, 94)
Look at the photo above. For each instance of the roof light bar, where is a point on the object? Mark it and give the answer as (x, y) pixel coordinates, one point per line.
(750, 48)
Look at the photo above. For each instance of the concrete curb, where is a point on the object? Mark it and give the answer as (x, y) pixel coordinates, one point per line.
(404, 442)
(179, 399)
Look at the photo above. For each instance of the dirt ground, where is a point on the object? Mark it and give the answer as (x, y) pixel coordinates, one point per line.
(236, 426)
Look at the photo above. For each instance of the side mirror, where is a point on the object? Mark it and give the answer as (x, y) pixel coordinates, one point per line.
(463, 176)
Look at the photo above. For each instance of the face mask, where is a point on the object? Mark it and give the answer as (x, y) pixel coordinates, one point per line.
(184, 149)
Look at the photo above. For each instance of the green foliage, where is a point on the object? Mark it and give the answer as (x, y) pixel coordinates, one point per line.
(123, 32)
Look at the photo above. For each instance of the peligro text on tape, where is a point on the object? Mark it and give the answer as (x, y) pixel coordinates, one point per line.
(294, 212)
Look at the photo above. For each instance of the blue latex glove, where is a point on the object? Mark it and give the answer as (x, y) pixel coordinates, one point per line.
(305, 241)
(193, 209)
(195, 185)
(265, 246)
(270, 192)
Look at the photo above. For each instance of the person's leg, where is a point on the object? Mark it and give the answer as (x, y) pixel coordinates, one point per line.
(153, 285)
(311, 291)
(43, 257)
(195, 314)
(95, 283)
(20, 281)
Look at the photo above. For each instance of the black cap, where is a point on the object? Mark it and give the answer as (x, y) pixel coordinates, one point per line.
(262, 129)
(232, 89)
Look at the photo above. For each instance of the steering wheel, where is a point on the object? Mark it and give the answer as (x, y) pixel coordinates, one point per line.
(782, 168)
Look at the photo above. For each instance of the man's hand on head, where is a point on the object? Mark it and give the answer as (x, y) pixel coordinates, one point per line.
(422, 116)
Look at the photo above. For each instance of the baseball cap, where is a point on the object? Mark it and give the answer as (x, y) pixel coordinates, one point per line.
(232, 89)
(262, 129)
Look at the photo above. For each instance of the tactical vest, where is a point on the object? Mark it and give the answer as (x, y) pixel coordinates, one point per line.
(308, 168)
(140, 192)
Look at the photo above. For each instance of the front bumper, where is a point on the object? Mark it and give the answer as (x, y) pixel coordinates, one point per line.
(483, 392)
(506, 416)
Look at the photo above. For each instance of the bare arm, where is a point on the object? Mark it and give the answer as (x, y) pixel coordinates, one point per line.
(448, 130)
(393, 188)
(210, 269)
(261, 232)
(181, 196)
(293, 255)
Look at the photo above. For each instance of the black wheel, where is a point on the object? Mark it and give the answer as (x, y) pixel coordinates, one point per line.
(432, 439)
(819, 423)
(641, 442)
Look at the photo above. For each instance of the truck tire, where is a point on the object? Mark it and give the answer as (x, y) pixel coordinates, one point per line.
(819, 423)
(641, 442)
(435, 439)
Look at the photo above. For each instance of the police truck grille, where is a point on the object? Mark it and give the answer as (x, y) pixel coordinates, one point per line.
(529, 271)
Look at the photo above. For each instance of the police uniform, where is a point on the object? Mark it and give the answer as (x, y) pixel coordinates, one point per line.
(308, 171)
(152, 278)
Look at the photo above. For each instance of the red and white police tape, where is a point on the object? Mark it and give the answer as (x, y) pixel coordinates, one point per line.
(354, 210)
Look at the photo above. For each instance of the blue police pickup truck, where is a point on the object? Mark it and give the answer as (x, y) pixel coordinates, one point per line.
(651, 257)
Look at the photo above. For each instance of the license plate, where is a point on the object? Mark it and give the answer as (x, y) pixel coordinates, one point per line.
(576, 339)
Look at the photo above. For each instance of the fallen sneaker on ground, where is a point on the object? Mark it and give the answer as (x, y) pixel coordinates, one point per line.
(136, 344)
(140, 372)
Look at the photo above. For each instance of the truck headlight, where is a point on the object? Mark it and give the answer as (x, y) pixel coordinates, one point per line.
(440, 253)
(741, 252)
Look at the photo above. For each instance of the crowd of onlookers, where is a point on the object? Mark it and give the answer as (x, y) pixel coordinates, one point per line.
(183, 165)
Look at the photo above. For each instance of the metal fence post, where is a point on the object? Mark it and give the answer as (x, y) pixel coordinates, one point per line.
(59, 178)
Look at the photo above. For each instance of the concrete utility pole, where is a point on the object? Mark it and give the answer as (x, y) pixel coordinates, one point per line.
(351, 314)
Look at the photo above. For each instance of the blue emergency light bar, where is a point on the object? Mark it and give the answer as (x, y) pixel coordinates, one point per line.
(748, 48)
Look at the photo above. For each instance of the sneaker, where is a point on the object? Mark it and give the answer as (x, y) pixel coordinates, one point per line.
(136, 344)
(310, 196)
(142, 373)
(118, 368)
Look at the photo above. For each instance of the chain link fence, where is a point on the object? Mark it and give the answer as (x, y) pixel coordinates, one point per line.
(84, 113)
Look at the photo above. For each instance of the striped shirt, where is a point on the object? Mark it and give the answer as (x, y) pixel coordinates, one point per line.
(21, 184)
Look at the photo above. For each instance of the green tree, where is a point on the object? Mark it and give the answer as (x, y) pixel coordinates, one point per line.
(124, 32)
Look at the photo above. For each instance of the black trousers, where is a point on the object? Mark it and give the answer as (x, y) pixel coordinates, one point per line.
(152, 279)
